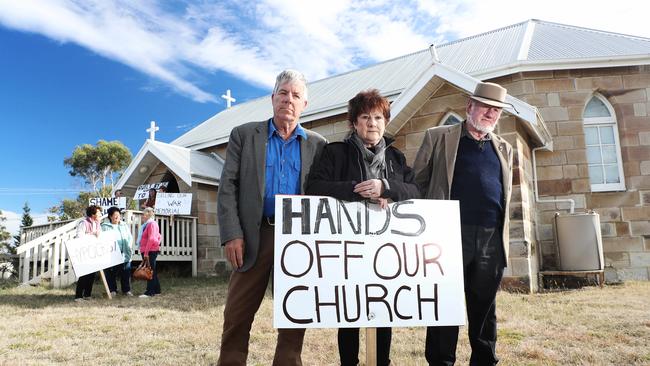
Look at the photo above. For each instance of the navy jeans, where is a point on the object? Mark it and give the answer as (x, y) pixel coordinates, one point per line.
(123, 271)
(153, 286)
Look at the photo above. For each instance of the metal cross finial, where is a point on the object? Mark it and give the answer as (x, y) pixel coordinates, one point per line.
(228, 98)
(152, 131)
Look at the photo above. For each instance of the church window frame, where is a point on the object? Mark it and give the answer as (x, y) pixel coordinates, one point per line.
(602, 146)
(449, 116)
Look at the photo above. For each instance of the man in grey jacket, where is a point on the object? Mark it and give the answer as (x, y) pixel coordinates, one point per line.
(469, 163)
(263, 159)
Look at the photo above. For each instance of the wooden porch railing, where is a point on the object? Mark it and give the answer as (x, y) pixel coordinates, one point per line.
(45, 257)
(32, 232)
(178, 237)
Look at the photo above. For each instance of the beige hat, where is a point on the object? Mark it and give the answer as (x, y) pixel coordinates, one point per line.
(490, 94)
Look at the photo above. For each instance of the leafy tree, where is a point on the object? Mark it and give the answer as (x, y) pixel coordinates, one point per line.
(53, 214)
(6, 244)
(75, 208)
(99, 165)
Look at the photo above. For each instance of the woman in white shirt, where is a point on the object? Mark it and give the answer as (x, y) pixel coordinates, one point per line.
(88, 226)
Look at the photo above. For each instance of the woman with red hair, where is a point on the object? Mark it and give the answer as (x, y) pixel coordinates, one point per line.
(365, 166)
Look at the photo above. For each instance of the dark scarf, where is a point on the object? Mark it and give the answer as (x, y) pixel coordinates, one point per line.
(374, 163)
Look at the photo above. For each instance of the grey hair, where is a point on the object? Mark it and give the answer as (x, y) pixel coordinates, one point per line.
(290, 76)
(150, 211)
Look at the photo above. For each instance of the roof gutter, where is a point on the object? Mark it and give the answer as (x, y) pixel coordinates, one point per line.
(561, 64)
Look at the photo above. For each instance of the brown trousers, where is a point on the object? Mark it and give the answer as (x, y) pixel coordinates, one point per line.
(245, 293)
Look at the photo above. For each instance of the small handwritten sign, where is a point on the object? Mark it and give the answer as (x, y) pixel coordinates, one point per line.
(107, 202)
(89, 253)
(173, 203)
(142, 193)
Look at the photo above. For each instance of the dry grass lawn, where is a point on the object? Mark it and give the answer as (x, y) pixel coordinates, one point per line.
(183, 327)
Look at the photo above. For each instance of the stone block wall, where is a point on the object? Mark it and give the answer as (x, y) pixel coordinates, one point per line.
(561, 97)
(210, 255)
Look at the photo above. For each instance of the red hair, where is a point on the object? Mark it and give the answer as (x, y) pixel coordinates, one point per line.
(365, 102)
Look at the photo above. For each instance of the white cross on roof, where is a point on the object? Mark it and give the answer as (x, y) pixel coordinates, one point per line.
(228, 98)
(152, 131)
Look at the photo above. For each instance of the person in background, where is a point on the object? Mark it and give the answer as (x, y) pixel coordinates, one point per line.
(88, 226)
(149, 249)
(151, 199)
(364, 167)
(124, 239)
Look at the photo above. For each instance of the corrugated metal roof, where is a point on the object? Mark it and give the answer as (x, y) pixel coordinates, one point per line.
(554, 41)
(527, 42)
(219, 126)
(483, 51)
(389, 77)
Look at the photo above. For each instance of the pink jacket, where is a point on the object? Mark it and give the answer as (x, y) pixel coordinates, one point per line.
(150, 241)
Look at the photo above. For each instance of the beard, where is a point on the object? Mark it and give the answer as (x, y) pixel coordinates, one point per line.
(479, 127)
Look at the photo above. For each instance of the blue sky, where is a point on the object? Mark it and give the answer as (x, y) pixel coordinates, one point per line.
(74, 72)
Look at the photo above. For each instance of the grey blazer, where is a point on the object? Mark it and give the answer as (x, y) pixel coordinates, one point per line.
(434, 168)
(240, 200)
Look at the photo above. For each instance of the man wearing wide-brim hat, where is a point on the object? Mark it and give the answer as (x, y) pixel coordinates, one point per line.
(469, 163)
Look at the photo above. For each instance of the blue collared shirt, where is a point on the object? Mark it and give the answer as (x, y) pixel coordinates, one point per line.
(282, 174)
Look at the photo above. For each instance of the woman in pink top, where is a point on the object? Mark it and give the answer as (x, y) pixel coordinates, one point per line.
(150, 248)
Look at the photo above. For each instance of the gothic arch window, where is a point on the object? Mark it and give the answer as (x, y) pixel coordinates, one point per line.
(603, 146)
(451, 118)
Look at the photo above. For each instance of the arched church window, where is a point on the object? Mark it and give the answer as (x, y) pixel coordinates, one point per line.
(603, 146)
(451, 118)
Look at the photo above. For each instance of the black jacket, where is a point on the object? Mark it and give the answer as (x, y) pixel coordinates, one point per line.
(340, 168)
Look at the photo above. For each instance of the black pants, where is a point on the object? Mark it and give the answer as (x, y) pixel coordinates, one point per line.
(349, 346)
(153, 286)
(84, 286)
(483, 261)
(123, 271)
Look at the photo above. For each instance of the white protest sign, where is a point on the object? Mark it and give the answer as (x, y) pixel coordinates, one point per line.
(173, 203)
(89, 253)
(143, 191)
(351, 264)
(107, 202)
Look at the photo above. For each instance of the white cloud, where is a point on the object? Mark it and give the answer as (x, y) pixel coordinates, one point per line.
(470, 17)
(143, 41)
(12, 224)
(255, 40)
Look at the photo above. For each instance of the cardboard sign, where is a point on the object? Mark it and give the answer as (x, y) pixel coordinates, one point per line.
(173, 203)
(89, 253)
(142, 192)
(351, 264)
(107, 202)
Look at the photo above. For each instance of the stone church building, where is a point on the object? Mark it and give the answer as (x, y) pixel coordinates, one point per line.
(579, 126)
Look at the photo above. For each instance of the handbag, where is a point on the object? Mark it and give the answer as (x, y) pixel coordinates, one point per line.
(143, 272)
